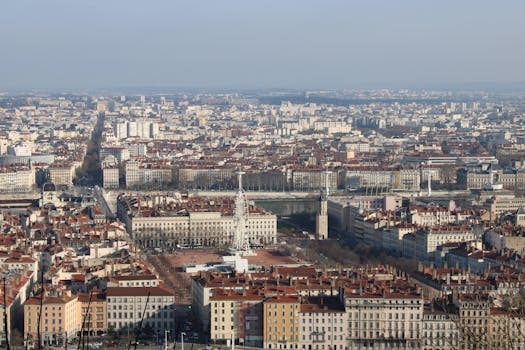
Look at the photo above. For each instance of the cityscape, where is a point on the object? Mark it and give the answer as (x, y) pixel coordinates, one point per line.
(395, 221)
(295, 175)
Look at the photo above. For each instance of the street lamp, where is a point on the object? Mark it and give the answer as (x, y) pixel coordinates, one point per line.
(166, 339)
(182, 334)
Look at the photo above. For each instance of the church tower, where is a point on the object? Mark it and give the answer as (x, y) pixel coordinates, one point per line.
(321, 220)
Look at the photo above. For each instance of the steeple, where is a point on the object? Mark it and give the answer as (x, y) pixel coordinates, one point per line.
(321, 222)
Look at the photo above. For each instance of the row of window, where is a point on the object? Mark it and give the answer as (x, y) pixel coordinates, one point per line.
(388, 324)
(138, 307)
(165, 314)
(391, 316)
(140, 299)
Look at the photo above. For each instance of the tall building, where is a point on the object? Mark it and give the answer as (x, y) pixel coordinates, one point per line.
(132, 129)
(321, 220)
(384, 320)
(236, 316)
(323, 324)
(138, 173)
(439, 330)
(120, 129)
(143, 129)
(61, 174)
(92, 312)
(474, 312)
(281, 322)
(16, 178)
(110, 173)
(110, 176)
(58, 323)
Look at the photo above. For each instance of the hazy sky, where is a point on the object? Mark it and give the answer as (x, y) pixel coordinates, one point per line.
(257, 44)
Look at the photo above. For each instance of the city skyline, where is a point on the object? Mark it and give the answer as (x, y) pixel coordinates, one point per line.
(393, 214)
(236, 45)
(300, 174)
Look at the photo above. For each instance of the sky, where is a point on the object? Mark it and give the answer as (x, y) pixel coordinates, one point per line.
(249, 44)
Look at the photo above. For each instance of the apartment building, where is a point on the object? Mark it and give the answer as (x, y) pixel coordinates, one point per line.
(407, 178)
(343, 210)
(439, 329)
(382, 320)
(314, 180)
(506, 178)
(16, 178)
(281, 322)
(427, 240)
(138, 173)
(92, 313)
(120, 153)
(58, 323)
(126, 306)
(141, 128)
(110, 177)
(499, 204)
(473, 311)
(202, 292)
(369, 177)
(392, 237)
(323, 324)
(272, 180)
(205, 177)
(237, 317)
(506, 329)
(61, 174)
(423, 216)
(506, 237)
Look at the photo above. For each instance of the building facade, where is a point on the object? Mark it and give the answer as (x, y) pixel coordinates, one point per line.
(127, 306)
(387, 320)
(58, 323)
(180, 224)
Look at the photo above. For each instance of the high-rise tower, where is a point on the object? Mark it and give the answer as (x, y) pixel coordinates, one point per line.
(321, 220)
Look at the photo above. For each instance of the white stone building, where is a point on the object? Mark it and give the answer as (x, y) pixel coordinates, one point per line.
(126, 306)
(384, 320)
(193, 222)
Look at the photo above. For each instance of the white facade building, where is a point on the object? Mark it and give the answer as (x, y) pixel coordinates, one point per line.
(384, 321)
(127, 305)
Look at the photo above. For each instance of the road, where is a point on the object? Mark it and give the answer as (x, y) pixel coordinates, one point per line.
(98, 193)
